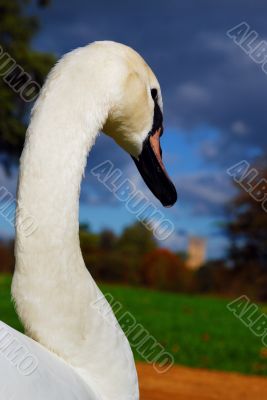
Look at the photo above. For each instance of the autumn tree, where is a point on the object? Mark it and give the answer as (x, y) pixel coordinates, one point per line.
(135, 241)
(162, 269)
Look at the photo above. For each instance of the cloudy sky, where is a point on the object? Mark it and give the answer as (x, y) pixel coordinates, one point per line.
(214, 95)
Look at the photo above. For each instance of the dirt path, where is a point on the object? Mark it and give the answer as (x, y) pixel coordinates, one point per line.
(182, 383)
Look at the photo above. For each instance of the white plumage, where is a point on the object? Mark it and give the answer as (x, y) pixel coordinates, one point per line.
(81, 354)
(50, 378)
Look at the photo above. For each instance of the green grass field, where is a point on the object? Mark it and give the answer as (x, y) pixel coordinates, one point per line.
(199, 331)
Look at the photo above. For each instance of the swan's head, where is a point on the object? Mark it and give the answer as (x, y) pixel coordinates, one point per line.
(135, 122)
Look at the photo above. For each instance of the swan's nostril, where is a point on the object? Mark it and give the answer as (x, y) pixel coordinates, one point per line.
(154, 94)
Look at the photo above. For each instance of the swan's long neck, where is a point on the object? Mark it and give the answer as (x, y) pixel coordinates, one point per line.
(51, 286)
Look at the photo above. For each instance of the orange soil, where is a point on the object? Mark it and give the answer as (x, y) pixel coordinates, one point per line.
(182, 383)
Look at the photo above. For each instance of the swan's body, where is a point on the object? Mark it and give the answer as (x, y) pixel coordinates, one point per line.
(101, 86)
(48, 378)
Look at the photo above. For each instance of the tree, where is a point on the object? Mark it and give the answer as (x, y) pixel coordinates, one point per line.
(137, 239)
(16, 32)
(108, 240)
(247, 230)
(247, 227)
(7, 261)
(162, 269)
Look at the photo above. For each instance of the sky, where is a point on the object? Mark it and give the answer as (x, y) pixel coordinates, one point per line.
(214, 102)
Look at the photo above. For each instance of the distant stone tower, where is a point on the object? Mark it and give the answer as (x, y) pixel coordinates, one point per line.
(196, 252)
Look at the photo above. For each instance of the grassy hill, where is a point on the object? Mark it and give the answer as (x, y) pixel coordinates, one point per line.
(199, 331)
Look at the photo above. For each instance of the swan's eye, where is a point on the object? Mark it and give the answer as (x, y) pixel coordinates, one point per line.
(154, 94)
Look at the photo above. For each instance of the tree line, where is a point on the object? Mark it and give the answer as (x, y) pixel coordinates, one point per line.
(135, 258)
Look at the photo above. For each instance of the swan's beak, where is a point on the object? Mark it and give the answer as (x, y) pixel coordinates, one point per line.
(151, 168)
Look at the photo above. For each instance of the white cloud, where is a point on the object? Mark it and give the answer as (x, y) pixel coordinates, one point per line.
(191, 92)
(239, 128)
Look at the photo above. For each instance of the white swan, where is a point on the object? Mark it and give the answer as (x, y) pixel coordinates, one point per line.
(76, 353)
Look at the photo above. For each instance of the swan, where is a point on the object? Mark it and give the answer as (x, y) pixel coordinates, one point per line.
(70, 351)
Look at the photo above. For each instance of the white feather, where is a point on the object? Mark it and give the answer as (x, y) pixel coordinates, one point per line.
(101, 85)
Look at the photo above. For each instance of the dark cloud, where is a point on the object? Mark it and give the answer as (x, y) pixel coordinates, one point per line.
(205, 193)
(229, 96)
(93, 191)
(206, 79)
